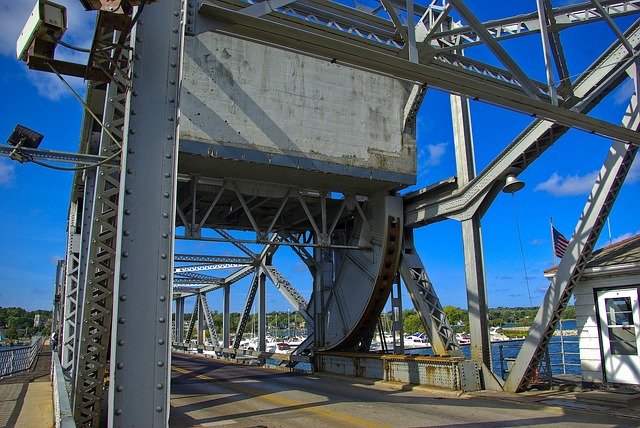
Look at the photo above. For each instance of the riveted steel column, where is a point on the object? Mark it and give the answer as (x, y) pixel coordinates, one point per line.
(471, 236)
(140, 343)
(262, 311)
(200, 335)
(179, 320)
(226, 318)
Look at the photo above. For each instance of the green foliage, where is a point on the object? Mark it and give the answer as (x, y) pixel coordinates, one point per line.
(18, 322)
(12, 333)
(456, 315)
(413, 324)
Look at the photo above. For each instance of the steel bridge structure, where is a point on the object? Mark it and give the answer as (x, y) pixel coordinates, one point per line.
(292, 123)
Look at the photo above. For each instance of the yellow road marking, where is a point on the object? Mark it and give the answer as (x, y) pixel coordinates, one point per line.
(279, 400)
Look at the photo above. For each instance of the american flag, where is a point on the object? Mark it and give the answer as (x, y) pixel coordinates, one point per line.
(560, 243)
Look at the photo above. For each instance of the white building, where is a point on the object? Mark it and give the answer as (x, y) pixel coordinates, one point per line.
(608, 316)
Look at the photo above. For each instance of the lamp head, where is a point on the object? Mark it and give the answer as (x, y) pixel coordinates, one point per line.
(25, 137)
(512, 184)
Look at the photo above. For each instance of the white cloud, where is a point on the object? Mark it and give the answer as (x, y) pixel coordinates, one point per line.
(571, 185)
(432, 154)
(50, 86)
(538, 241)
(13, 16)
(624, 236)
(634, 172)
(623, 94)
(7, 172)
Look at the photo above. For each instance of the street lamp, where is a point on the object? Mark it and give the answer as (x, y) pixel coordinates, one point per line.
(23, 137)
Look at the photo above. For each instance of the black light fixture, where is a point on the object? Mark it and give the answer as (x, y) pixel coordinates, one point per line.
(25, 137)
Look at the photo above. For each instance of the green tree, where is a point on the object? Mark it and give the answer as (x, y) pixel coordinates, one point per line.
(12, 333)
(455, 314)
(413, 324)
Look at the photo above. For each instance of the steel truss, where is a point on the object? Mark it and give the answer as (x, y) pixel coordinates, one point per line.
(581, 245)
(120, 230)
(95, 321)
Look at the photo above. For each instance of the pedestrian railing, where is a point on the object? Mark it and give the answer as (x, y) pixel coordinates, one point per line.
(17, 360)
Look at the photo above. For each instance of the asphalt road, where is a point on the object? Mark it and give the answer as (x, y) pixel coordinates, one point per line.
(206, 392)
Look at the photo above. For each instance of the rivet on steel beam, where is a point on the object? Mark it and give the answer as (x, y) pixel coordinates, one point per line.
(126, 233)
(171, 100)
(120, 366)
(173, 64)
(122, 320)
(125, 254)
(129, 171)
(137, 56)
(124, 276)
(170, 118)
(172, 82)
(119, 388)
(175, 30)
(168, 156)
(162, 298)
(123, 298)
(134, 112)
(167, 175)
(134, 93)
(161, 342)
(164, 256)
(128, 191)
(169, 137)
(127, 212)
(166, 194)
(159, 386)
(121, 342)
(132, 131)
(174, 47)
(138, 39)
(118, 412)
(165, 215)
(163, 277)
(160, 364)
(165, 235)
(159, 409)
(132, 151)
(136, 75)
(161, 320)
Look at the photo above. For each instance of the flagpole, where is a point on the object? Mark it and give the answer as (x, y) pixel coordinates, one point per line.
(553, 246)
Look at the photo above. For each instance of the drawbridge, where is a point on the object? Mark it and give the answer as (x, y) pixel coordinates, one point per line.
(282, 123)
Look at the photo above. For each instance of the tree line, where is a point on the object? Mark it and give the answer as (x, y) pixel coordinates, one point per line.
(18, 323)
(500, 316)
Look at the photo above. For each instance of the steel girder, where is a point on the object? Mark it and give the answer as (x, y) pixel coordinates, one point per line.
(204, 304)
(426, 206)
(289, 292)
(94, 324)
(426, 301)
(289, 32)
(594, 215)
(141, 351)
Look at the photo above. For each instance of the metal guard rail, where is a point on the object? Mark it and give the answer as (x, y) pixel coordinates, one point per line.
(18, 360)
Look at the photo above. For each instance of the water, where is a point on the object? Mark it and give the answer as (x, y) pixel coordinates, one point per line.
(510, 351)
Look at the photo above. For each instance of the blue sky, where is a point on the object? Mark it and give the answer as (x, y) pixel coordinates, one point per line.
(34, 202)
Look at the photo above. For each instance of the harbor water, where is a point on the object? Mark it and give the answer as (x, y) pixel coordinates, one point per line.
(564, 353)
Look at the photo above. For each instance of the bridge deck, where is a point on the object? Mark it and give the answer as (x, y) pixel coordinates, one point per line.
(207, 392)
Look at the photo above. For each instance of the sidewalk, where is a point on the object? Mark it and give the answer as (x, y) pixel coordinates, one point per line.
(567, 397)
(26, 400)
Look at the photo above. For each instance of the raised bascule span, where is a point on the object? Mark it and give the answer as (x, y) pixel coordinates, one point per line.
(282, 123)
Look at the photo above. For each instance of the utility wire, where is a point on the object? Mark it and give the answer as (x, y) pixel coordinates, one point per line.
(85, 106)
(524, 263)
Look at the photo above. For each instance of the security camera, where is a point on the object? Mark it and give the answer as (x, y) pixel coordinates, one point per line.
(45, 26)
